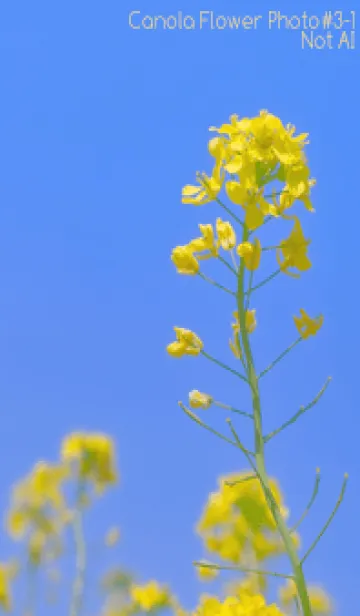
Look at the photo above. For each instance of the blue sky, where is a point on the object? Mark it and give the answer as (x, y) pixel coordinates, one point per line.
(101, 126)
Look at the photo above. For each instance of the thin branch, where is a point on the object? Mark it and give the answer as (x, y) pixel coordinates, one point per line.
(248, 294)
(230, 267)
(220, 363)
(310, 503)
(331, 517)
(243, 480)
(243, 569)
(231, 408)
(209, 428)
(300, 412)
(264, 282)
(216, 284)
(278, 359)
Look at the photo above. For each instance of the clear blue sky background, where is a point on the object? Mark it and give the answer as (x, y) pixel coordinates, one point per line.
(100, 127)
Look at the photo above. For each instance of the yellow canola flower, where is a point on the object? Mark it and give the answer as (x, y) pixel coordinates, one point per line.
(187, 343)
(184, 260)
(95, 456)
(247, 194)
(246, 605)
(250, 321)
(150, 596)
(297, 187)
(251, 253)
(42, 486)
(112, 537)
(7, 573)
(307, 326)
(225, 234)
(205, 243)
(207, 189)
(207, 574)
(199, 400)
(294, 251)
(319, 599)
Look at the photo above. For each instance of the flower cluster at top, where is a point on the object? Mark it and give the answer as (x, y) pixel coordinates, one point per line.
(262, 167)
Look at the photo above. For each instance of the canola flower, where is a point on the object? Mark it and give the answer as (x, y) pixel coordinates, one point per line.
(261, 166)
(150, 596)
(94, 457)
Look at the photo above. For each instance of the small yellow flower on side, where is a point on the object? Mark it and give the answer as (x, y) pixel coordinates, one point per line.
(187, 343)
(250, 321)
(207, 190)
(151, 596)
(204, 244)
(226, 234)
(294, 251)
(112, 537)
(307, 326)
(184, 260)
(95, 456)
(251, 253)
(207, 574)
(199, 400)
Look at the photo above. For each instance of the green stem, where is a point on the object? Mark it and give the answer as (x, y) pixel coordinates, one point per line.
(259, 450)
(79, 582)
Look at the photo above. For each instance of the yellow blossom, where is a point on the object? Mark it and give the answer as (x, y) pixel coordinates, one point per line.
(187, 343)
(206, 574)
(199, 400)
(307, 326)
(207, 190)
(251, 253)
(204, 244)
(112, 536)
(6, 575)
(246, 605)
(184, 260)
(151, 596)
(95, 456)
(294, 251)
(226, 234)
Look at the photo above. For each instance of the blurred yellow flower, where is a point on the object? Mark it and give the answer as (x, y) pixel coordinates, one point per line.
(94, 454)
(6, 575)
(207, 574)
(112, 536)
(199, 400)
(150, 596)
